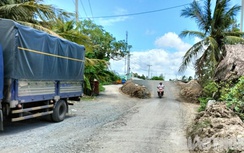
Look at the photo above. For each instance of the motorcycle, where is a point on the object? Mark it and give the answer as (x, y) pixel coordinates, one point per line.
(160, 92)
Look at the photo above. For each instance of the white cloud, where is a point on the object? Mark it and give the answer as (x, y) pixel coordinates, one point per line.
(171, 40)
(161, 61)
(111, 21)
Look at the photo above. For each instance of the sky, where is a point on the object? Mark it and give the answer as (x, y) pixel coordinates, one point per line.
(152, 27)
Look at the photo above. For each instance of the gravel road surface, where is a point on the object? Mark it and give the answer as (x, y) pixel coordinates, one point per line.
(111, 123)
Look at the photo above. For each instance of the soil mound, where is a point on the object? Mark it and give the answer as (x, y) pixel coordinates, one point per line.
(218, 130)
(190, 91)
(135, 90)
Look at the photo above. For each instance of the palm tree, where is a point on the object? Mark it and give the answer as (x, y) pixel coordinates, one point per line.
(57, 22)
(70, 30)
(216, 30)
(31, 13)
(95, 68)
(25, 10)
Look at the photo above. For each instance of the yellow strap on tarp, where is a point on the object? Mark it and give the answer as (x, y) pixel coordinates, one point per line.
(48, 54)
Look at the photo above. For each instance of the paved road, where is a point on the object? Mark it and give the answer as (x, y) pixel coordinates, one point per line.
(111, 123)
(153, 125)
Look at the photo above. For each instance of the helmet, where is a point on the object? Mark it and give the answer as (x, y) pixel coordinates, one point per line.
(160, 83)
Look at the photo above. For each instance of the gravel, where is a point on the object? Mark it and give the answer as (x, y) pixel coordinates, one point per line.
(112, 122)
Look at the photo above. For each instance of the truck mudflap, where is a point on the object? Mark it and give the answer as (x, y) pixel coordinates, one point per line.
(1, 120)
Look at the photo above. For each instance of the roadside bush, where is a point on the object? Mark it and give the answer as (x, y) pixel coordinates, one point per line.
(209, 92)
(235, 98)
(214, 91)
(230, 92)
(210, 89)
(203, 103)
(158, 78)
(225, 89)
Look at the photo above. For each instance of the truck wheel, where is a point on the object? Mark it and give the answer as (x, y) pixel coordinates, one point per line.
(59, 111)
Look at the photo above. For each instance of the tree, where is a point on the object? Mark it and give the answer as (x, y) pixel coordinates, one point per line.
(190, 78)
(161, 77)
(217, 28)
(139, 76)
(32, 13)
(104, 45)
(184, 79)
(73, 31)
(100, 45)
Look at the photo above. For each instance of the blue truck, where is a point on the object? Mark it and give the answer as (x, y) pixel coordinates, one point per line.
(40, 74)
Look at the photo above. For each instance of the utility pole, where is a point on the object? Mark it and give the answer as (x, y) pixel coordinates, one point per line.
(128, 58)
(242, 7)
(148, 70)
(128, 65)
(76, 11)
(125, 64)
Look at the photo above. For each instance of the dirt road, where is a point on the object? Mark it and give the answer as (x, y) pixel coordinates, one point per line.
(112, 123)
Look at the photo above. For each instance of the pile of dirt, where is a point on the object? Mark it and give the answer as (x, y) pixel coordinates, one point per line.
(135, 90)
(218, 130)
(190, 91)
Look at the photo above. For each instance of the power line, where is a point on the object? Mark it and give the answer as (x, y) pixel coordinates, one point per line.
(140, 13)
(83, 8)
(90, 8)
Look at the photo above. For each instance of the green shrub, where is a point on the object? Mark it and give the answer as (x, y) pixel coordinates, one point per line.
(209, 91)
(235, 98)
(101, 88)
(231, 92)
(203, 103)
(225, 89)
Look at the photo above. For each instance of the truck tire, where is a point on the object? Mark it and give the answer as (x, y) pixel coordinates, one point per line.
(59, 111)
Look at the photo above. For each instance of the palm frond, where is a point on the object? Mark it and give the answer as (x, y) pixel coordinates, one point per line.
(192, 33)
(217, 29)
(38, 27)
(190, 54)
(223, 15)
(30, 11)
(234, 33)
(198, 13)
(213, 44)
(233, 40)
(93, 62)
(200, 63)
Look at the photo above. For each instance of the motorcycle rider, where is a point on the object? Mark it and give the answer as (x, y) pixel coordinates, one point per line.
(160, 86)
